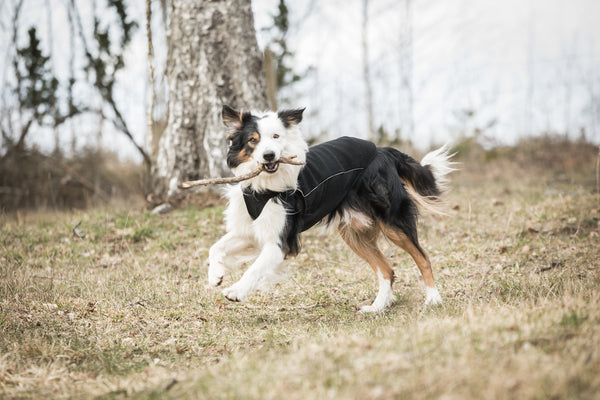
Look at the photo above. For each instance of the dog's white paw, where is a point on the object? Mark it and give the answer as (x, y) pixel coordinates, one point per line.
(236, 292)
(216, 271)
(373, 308)
(379, 305)
(215, 281)
(432, 296)
(369, 309)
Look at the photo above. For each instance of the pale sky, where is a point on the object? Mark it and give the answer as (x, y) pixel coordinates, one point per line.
(532, 66)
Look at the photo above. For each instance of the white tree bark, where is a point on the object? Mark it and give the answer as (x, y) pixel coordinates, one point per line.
(213, 60)
(367, 70)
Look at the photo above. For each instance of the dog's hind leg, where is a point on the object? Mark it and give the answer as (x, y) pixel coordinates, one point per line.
(364, 243)
(401, 239)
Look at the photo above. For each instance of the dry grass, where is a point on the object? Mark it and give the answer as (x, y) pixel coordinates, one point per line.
(32, 180)
(124, 312)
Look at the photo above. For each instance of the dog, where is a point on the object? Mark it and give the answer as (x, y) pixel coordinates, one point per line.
(363, 190)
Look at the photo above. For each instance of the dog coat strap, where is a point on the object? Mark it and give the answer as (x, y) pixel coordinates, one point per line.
(256, 201)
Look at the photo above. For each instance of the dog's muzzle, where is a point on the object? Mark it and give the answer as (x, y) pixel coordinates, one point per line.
(271, 167)
(271, 164)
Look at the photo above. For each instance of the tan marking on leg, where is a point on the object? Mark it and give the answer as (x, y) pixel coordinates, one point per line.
(364, 244)
(399, 238)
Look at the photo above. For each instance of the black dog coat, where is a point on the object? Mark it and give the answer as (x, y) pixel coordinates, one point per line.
(330, 171)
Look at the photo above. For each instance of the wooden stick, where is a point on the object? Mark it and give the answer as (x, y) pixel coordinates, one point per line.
(219, 181)
(236, 179)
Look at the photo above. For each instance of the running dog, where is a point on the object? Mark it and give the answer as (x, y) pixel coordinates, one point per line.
(363, 190)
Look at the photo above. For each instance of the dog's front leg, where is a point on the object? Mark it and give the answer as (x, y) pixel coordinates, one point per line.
(261, 274)
(229, 244)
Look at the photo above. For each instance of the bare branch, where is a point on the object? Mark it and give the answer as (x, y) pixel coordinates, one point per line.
(75, 175)
(107, 97)
(21, 142)
(122, 125)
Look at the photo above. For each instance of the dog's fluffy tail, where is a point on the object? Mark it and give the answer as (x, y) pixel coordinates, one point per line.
(428, 180)
(440, 165)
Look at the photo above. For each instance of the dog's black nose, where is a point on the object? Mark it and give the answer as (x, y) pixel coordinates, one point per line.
(269, 156)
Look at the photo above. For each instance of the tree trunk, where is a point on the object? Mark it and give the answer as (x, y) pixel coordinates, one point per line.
(213, 60)
(366, 70)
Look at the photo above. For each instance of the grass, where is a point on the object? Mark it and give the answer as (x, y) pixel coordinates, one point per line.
(121, 310)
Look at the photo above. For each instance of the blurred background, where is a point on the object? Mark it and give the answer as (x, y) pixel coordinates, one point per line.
(485, 75)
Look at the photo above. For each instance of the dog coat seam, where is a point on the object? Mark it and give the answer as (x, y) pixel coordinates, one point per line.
(328, 178)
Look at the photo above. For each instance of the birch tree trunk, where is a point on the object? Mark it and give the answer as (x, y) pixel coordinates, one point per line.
(367, 70)
(213, 60)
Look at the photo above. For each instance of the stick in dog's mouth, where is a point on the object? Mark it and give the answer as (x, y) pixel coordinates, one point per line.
(269, 168)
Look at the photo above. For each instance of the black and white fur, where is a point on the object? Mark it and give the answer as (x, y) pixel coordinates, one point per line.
(385, 200)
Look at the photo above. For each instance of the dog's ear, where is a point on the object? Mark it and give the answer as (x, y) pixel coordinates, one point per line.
(231, 118)
(290, 117)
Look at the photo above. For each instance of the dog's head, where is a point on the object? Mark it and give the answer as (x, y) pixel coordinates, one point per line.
(263, 138)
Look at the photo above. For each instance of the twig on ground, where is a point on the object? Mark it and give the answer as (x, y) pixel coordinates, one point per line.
(171, 384)
(76, 233)
(140, 303)
(550, 266)
(60, 278)
(483, 279)
(281, 309)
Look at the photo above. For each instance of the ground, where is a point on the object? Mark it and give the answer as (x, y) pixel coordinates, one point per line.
(112, 302)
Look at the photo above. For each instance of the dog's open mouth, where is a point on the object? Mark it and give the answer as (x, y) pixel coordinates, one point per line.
(271, 167)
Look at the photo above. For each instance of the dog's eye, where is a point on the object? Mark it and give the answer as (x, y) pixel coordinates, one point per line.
(275, 136)
(253, 140)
